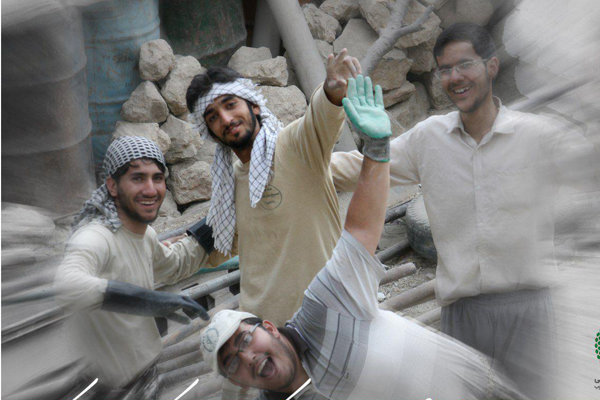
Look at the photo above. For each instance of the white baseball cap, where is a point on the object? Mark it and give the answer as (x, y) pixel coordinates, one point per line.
(221, 328)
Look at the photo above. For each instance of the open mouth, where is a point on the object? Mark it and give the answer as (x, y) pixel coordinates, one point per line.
(461, 91)
(266, 368)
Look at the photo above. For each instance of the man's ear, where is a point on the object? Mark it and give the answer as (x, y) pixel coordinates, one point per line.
(255, 109)
(493, 65)
(111, 185)
(271, 328)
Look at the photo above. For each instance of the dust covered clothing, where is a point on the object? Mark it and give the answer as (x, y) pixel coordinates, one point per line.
(355, 351)
(118, 347)
(285, 240)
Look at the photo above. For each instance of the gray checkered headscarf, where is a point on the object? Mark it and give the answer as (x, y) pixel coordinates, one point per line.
(101, 206)
(221, 216)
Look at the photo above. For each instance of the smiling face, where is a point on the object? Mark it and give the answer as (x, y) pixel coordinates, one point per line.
(267, 362)
(232, 121)
(472, 88)
(138, 194)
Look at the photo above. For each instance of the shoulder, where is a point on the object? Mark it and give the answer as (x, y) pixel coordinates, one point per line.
(433, 126)
(93, 237)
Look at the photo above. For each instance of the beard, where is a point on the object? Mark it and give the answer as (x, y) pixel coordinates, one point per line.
(243, 141)
(132, 214)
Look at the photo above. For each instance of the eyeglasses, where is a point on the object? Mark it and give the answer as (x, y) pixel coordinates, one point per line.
(242, 345)
(465, 67)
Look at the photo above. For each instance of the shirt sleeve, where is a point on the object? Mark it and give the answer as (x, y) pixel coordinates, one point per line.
(350, 280)
(345, 166)
(77, 281)
(314, 134)
(180, 260)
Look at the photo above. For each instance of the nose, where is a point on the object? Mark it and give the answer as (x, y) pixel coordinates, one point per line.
(247, 356)
(225, 117)
(149, 188)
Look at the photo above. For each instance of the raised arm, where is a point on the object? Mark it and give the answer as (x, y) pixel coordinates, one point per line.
(366, 213)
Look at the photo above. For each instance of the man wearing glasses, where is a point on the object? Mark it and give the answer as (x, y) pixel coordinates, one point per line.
(488, 176)
(339, 344)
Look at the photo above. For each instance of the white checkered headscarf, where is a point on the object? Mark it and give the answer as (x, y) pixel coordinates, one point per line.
(101, 206)
(221, 216)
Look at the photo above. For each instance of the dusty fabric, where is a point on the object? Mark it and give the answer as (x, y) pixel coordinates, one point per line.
(290, 234)
(222, 214)
(116, 346)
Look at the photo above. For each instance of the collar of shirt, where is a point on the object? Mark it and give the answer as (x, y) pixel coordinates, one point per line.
(503, 123)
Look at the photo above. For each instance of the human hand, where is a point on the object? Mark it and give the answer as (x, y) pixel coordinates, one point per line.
(367, 114)
(339, 69)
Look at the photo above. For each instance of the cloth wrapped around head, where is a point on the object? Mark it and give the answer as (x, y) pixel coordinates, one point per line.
(221, 216)
(101, 206)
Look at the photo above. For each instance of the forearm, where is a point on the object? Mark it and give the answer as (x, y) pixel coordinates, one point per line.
(366, 213)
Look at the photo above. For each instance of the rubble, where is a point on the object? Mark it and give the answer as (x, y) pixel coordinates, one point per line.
(342, 10)
(182, 135)
(190, 181)
(322, 25)
(288, 103)
(245, 55)
(149, 130)
(156, 60)
(267, 72)
(145, 105)
(178, 81)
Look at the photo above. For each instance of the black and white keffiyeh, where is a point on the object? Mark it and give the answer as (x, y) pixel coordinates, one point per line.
(221, 216)
(101, 206)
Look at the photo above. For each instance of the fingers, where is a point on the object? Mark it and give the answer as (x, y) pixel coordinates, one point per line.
(193, 309)
(360, 89)
(379, 97)
(369, 91)
(182, 319)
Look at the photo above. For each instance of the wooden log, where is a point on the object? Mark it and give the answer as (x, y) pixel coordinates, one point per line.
(393, 251)
(398, 272)
(198, 323)
(182, 374)
(430, 316)
(179, 349)
(193, 357)
(213, 285)
(411, 297)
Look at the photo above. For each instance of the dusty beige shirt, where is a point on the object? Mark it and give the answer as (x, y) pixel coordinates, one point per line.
(117, 346)
(490, 205)
(290, 235)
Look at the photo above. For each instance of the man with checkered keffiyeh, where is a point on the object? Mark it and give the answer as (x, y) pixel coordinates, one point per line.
(112, 262)
(276, 203)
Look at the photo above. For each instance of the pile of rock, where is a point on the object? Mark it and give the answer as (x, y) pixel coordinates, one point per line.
(411, 92)
(157, 110)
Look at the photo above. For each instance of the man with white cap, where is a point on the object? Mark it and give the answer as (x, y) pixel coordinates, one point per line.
(339, 344)
(113, 261)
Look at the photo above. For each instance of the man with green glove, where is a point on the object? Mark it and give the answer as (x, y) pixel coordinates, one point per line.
(339, 344)
(113, 261)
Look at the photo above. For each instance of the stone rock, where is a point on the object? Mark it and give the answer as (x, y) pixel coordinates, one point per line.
(375, 12)
(357, 37)
(156, 60)
(322, 26)
(422, 97)
(476, 11)
(271, 72)
(422, 56)
(342, 10)
(149, 130)
(397, 128)
(407, 113)
(325, 49)
(168, 207)
(190, 181)
(437, 95)
(287, 103)
(380, 296)
(200, 209)
(145, 105)
(206, 149)
(391, 71)
(245, 55)
(398, 95)
(182, 135)
(430, 26)
(178, 81)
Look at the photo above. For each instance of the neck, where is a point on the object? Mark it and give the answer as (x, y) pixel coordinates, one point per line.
(131, 225)
(477, 123)
(244, 154)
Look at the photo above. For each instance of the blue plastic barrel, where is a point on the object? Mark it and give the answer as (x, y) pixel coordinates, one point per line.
(114, 32)
(46, 147)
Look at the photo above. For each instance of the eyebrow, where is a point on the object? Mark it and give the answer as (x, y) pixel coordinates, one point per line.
(223, 100)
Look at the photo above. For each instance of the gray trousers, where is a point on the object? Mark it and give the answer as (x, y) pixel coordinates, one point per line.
(515, 329)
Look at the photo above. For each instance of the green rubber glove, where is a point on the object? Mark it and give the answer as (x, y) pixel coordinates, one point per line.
(367, 114)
